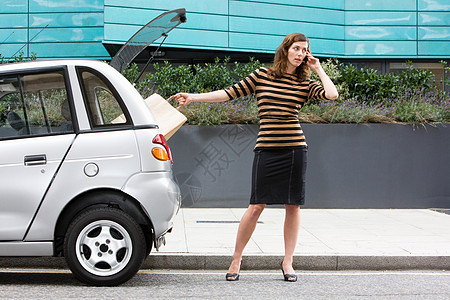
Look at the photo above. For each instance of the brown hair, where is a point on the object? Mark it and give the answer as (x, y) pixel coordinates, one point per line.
(280, 60)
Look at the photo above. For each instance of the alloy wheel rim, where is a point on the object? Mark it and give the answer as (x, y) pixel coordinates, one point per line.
(104, 248)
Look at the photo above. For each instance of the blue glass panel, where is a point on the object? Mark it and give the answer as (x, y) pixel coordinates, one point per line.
(380, 48)
(132, 16)
(13, 36)
(13, 21)
(87, 34)
(204, 6)
(434, 33)
(434, 18)
(202, 39)
(69, 50)
(405, 5)
(129, 16)
(438, 49)
(277, 27)
(268, 43)
(380, 18)
(8, 50)
(334, 4)
(248, 42)
(66, 6)
(286, 13)
(206, 22)
(14, 6)
(380, 33)
(198, 38)
(66, 20)
(327, 47)
(437, 5)
(178, 36)
(119, 33)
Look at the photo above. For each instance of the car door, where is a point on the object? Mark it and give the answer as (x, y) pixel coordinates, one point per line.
(36, 131)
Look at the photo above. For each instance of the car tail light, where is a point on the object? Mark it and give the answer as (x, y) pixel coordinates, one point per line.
(161, 154)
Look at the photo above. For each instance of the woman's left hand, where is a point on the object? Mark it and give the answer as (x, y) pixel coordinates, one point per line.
(313, 62)
(330, 89)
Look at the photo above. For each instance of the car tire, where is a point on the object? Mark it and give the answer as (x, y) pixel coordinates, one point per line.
(104, 247)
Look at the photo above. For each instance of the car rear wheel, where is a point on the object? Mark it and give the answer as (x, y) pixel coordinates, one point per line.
(104, 246)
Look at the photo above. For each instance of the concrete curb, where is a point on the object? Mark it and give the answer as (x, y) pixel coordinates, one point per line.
(256, 262)
(321, 262)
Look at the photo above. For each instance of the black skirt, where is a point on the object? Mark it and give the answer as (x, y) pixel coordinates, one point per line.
(278, 176)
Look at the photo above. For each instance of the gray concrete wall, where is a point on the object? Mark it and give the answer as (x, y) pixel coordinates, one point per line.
(349, 166)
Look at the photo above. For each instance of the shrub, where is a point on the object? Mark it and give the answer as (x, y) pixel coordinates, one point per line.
(420, 106)
(237, 111)
(365, 95)
(17, 58)
(212, 76)
(347, 111)
(366, 85)
(332, 68)
(167, 79)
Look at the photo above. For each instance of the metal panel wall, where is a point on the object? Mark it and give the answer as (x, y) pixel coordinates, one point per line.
(433, 28)
(234, 25)
(337, 28)
(404, 29)
(207, 26)
(13, 26)
(74, 28)
(264, 24)
(344, 28)
(380, 28)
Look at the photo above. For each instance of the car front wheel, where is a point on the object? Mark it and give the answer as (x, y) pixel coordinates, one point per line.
(104, 246)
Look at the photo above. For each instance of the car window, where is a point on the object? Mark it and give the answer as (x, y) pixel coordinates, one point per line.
(34, 104)
(101, 100)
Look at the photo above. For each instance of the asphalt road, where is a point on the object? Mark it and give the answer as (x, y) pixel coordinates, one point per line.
(176, 284)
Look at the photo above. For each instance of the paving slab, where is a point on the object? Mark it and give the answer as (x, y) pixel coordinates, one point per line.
(329, 239)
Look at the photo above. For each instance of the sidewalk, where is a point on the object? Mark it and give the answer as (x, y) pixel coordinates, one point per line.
(329, 239)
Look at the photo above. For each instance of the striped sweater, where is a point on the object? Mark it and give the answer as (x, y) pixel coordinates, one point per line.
(279, 101)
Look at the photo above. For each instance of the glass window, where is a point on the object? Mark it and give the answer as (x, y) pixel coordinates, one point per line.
(103, 105)
(34, 104)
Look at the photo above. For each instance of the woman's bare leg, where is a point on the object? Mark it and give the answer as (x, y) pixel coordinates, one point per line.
(291, 229)
(246, 227)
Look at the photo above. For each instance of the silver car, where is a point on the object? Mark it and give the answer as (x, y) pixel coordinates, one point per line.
(76, 181)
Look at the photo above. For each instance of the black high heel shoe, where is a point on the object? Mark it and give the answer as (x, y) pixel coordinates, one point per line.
(288, 277)
(232, 276)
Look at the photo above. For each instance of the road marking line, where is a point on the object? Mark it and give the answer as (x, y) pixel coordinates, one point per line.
(41, 271)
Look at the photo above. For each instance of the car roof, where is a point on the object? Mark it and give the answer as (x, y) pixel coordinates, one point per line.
(51, 63)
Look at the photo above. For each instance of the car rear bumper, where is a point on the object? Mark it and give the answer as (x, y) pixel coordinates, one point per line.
(159, 196)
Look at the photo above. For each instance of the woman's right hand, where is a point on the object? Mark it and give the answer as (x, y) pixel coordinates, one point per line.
(184, 98)
(216, 96)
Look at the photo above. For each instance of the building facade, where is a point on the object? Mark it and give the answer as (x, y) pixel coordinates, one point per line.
(379, 33)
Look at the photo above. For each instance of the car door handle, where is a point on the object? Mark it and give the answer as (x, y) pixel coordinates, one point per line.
(34, 160)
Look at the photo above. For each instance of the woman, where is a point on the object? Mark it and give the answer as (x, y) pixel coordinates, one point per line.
(279, 165)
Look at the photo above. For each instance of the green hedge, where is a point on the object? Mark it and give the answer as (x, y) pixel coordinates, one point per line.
(365, 95)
